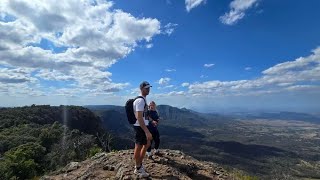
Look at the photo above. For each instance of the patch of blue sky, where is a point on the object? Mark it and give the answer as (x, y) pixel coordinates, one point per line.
(93, 3)
(7, 17)
(307, 83)
(58, 34)
(33, 73)
(49, 45)
(4, 66)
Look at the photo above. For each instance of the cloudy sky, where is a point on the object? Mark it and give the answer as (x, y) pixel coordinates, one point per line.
(207, 55)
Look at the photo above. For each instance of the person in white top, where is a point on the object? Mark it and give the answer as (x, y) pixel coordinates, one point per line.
(142, 133)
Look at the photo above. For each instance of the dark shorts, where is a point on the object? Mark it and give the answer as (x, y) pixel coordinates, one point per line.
(140, 137)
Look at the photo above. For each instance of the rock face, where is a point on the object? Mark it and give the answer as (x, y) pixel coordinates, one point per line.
(169, 164)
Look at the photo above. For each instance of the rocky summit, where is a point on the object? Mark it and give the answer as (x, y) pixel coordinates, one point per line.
(168, 164)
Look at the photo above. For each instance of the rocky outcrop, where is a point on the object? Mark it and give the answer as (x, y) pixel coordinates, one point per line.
(169, 164)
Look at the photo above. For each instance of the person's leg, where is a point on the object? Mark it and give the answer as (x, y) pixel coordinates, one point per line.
(145, 144)
(137, 158)
(144, 149)
(149, 148)
(157, 140)
(139, 169)
(141, 141)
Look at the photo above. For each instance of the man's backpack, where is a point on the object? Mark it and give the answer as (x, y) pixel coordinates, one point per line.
(129, 109)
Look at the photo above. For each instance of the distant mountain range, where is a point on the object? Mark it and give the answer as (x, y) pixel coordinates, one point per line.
(189, 117)
(279, 116)
(115, 116)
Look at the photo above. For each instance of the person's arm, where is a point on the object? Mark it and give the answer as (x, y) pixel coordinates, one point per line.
(141, 121)
(143, 126)
(153, 121)
(139, 116)
(158, 117)
(150, 119)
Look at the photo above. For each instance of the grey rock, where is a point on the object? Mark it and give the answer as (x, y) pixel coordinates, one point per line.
(112, 168)
(98, 156)
(106, 168)
(72, 166)
(120, 174)
(126, 177)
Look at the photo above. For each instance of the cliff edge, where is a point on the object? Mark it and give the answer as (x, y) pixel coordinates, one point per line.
(169, 164)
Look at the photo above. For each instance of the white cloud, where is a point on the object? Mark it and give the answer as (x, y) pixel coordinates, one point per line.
(247, 68)
(298, 64)
(185, 84)
(169, 28)
(167, 87)
(170, 70)
(129, 29)
(190, 4)
(135, 91)
(208, 65)
(17, 82)
(18, 75)
(94, 37)
(53, 75)
(149, 46)
(71, 92)
(289, 86)
(300, 72)
(174, 93)
(237, 11)
(302, 87)
(164, 81)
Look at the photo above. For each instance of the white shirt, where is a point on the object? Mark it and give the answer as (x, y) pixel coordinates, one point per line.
(139, 105)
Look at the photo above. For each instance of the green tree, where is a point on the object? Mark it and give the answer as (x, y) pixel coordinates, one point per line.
(24, 161)
(51, 135)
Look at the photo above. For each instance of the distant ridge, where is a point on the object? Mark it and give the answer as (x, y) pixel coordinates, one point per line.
(105, 107)
(280, 116)
(165, 110)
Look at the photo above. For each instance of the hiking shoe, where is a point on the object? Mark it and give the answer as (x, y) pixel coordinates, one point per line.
(149, 154)
(156, 152)
(150, 157)
(141, 173)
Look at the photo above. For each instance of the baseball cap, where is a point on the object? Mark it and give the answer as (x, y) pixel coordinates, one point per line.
(145, 84)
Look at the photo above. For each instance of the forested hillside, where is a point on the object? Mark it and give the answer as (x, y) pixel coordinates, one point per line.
(38, 139)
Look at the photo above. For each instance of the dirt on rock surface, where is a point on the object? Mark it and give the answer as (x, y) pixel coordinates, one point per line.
(168, 164)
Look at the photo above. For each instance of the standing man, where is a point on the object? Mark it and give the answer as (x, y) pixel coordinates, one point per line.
(142, 133)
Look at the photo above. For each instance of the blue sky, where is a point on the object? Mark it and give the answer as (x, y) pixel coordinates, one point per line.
(205, 55)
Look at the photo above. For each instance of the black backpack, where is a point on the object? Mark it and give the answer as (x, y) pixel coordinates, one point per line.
(129, 109)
